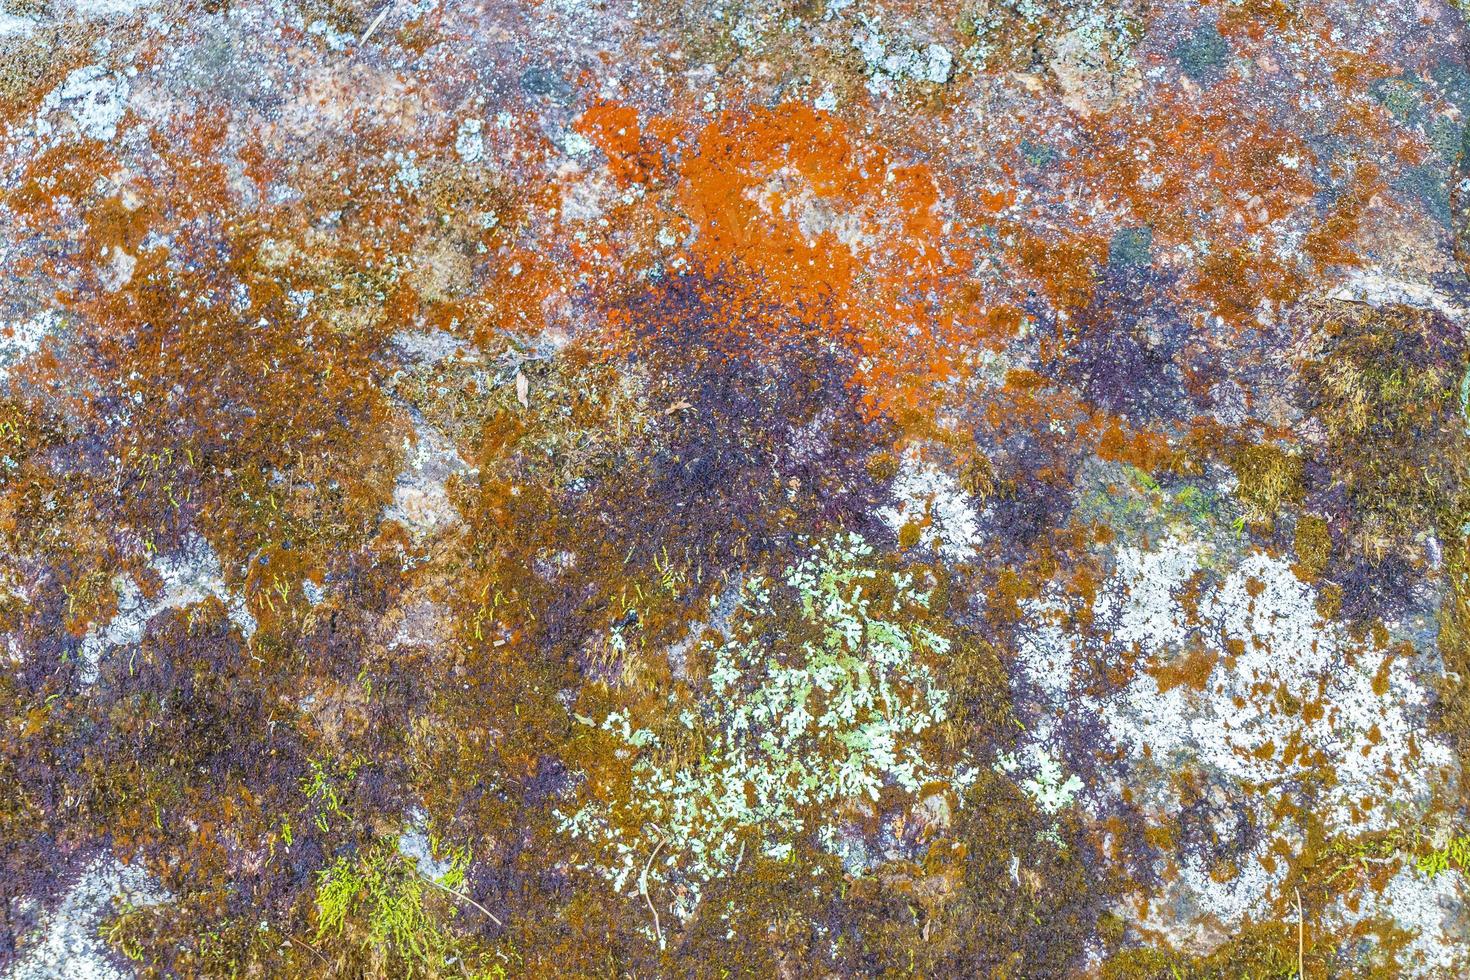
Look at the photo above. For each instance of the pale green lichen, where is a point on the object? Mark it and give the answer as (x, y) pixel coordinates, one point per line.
(816, 700)
(1007, 29)
(1045, 785)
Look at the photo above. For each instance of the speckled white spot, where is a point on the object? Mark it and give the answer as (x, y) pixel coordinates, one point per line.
(922, 490)
(67, 945)
(94, 98)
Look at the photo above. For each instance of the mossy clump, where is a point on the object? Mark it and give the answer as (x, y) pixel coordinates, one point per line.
(29, 63)
(379, 901)
(909, 534)
(1388, 386)
(978, 476)
(1028, 896)
(1385, 385)
(883, 466)
(346, 16)
(1267, 951)
(1269, 478)
(27, 8)
(1313, 544)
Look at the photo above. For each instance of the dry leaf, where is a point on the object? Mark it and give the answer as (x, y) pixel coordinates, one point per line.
(677, 407)
(523, 390)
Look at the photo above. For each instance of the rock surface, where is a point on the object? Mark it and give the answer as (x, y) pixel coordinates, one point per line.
(814, 488)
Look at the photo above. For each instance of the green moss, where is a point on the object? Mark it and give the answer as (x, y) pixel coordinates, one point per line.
(118, 932)
(1038, 155)
(1447, 138)
(380, 901)
(1125, 499)
(1401, 97)
(1454, 854)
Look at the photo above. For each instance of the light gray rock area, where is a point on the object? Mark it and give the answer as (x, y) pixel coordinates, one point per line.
(68, 944)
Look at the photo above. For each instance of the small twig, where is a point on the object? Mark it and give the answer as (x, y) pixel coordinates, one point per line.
(1301, 940)
(643, 889)
(376, 21)
(465, 898)
(312, 948)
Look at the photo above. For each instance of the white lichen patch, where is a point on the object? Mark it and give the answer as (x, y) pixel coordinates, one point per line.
(12, 25)
(118, 270)
(468, 141)
(1101, 33)
(20, 339)
(588, 198)
(421, 495)
(934, 500)
(193, 574)
(414, 845)
(427, 346)
(418, 624)
(1089, 79)
(1431, 910)
(67, 943)
(93, 100)
(795, 730)
(816, 216)
(125, 627)
(1380, 288)
(190, 576)
(98, 9)
(434, 862)
(1045, 782)
(1314, 700)
(576, 146)
(1236, 677)
(891, 63)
